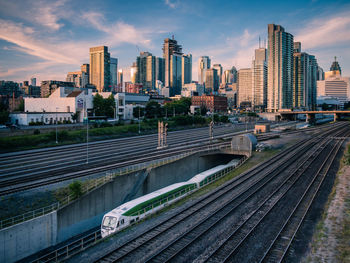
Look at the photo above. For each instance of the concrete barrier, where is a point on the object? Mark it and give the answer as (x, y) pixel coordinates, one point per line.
(24, 239)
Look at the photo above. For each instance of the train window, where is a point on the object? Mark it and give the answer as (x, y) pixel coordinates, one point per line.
(132, 221)
(122, 221)
(137, 218)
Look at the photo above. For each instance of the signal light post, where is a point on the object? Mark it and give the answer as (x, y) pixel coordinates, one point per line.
(162, 134)
(211, 132)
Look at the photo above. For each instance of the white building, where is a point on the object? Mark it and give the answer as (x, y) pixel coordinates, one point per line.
(191, 89)
(335, 86)
(60, 106)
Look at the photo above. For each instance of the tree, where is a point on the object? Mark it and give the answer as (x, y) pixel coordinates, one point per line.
(98, 105)
(153, 110)
(138, 110)
(104, 107)
(74, 116)
(20, 106)
(203, 110)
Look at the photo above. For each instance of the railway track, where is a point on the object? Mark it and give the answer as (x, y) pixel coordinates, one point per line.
(190, 228)
(36, 176)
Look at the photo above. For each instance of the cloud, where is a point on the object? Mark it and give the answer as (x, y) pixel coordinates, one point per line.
(320, 33)
(47, 14)
(33, 67)
(119, 32)
(170, 4)
(26, 38)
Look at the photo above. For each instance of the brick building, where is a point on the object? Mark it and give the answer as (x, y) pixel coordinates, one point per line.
(211, 102)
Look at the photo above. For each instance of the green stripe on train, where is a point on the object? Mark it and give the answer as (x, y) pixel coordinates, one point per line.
(156, 201)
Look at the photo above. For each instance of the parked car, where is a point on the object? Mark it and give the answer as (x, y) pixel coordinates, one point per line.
(3, 126)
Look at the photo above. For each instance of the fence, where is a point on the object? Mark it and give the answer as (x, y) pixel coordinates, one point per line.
(94, 183)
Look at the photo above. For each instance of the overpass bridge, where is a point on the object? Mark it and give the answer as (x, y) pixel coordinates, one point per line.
(310, 115)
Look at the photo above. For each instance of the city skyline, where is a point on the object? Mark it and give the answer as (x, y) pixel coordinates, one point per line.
(56, 40)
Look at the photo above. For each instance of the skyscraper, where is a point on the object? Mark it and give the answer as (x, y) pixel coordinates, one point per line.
(304, 79)
(203, 64)
(133, 72)
(100, 68)
(211, 81)
(280, 69)
(186, 69)
(146, 70)
(120, 78)
(175, 84)
(218, 68)
(114, 72)
(170, 48)
(245, 89)
(259, 79)
(160, 69)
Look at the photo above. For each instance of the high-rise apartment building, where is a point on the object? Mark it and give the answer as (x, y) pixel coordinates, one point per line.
(304, 81)
(114, 72)
(100, 68)
(145, 69)
(203, 65)
(218, 68)
(211, 81)
(186, 69)
(245, 87)
(280, 69)
(259, 79)
(170, 48)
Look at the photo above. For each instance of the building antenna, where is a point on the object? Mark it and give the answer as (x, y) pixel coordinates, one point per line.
(259, 42)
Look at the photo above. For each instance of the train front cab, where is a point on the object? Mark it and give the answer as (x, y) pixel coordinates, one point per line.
(110, 224)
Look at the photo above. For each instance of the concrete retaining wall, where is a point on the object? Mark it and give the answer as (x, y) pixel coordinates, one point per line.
(87, 212)
(22, 240)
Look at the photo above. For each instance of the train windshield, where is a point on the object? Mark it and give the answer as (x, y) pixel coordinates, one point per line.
(109, 222)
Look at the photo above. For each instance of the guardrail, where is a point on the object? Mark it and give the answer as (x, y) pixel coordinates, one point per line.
(91, 239)
(93, 184)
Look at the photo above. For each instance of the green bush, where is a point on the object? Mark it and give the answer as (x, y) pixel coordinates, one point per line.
(36, 132)
(224, 119)
(76, 189)
(105, 124)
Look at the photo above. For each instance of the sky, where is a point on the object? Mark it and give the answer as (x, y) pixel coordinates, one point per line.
(47, 39)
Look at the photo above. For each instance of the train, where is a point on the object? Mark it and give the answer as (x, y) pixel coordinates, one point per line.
(139, 208)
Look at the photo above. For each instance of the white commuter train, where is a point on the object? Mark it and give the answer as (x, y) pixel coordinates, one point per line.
(137, 209)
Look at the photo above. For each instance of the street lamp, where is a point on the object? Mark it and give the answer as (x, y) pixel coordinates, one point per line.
(87, 134)
(56, 125)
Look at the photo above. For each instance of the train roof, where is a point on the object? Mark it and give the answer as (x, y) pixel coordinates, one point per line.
(128, 205)
(201, 176)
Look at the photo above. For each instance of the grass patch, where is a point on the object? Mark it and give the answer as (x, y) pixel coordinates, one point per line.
(41, 140)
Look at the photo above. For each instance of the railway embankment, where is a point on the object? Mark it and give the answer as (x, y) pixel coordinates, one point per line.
(331, 239)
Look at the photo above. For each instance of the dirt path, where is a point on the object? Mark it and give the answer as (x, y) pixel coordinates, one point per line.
(325, 246)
